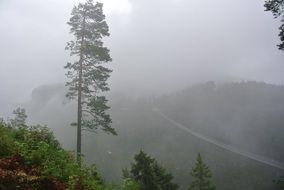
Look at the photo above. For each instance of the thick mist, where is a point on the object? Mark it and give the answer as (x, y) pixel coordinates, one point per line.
(156, 46)
(164, 53)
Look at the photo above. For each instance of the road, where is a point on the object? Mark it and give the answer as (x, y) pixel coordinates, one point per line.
(235, 150)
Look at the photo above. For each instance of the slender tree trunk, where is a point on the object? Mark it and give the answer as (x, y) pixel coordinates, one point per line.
(79, 112)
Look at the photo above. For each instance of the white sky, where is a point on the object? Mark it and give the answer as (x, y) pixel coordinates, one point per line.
(157, 45)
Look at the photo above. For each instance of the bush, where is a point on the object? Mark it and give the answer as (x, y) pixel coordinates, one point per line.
(39, 149)
(130, 184)
(6, 142)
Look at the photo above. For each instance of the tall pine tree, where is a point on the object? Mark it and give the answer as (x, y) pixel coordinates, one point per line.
(88, 77)
(277, 8)
(201, 174)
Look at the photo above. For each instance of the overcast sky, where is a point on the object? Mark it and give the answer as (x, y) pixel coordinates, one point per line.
(156, 46)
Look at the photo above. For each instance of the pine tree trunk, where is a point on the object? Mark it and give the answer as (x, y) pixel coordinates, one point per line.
(79, 112)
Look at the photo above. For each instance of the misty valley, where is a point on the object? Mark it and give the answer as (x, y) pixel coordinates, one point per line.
(146, 95)
(245, 115)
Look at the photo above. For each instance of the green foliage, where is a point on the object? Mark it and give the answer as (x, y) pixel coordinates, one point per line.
(277, 8)
(35, 144)
(201, 174)
(142, 171)
(33, 155)
(130, 184)
(61, 165)
(6, 142)
(148, 174)
(39, 149)
(42, 133)
(163, 178)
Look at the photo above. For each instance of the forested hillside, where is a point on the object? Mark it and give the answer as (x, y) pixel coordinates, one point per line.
(242, 114)
(247, 115)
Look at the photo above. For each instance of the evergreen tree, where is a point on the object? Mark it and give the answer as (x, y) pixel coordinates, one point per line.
(20, 118)
(163, 178)
(201, 174)
(142, 171)
(149, 174)
(277, 8)
(88, 77)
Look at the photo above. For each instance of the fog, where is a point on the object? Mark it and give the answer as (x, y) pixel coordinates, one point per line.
(156, 46)
(164, 53)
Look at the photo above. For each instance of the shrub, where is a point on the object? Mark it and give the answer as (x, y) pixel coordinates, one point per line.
(6, 142)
